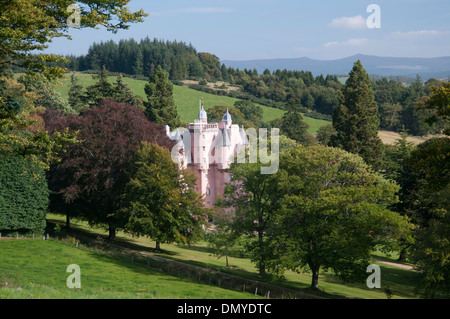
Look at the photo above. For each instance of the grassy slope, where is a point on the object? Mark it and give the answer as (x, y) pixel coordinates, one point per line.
(402, 282)
(187, 100)
(37, 269)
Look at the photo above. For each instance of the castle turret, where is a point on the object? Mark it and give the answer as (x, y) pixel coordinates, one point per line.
(202, 116)
(227, 119)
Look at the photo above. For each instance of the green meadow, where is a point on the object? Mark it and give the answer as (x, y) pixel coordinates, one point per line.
(38, 268)
(186, 99)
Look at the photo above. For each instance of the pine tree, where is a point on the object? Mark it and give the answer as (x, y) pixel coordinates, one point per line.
(160, 107)
(76, 94)
(100, 90)
(356, 118)
(123, 93)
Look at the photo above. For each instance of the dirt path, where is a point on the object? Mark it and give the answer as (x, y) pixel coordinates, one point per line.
(396, 265)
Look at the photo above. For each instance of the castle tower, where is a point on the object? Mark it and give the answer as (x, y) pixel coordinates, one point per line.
(206, 149)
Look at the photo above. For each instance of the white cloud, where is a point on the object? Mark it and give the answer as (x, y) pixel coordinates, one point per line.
(349, 42)
(420, 33)
(357, 22)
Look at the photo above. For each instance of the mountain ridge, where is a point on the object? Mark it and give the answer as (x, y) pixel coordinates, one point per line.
(438, 67)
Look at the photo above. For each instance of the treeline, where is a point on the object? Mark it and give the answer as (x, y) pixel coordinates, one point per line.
(142, 58)
(315, 96)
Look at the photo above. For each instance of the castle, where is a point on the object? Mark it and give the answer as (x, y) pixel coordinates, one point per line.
(207, 149)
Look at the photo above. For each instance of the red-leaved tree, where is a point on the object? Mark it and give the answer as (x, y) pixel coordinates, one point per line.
(89, 180)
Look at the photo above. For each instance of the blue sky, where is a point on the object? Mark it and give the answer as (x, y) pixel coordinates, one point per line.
(265, 29)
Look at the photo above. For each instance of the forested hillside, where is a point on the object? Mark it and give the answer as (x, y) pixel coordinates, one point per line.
(315, 96)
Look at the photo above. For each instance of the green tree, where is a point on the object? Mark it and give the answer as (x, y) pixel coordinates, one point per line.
(27, 26)
(160, 107)
(92, 174)
(254, 198)
(76, 94)
(334, 210)
(102, 89)
(47, 97)
(123, 93)
(295, 128)
(326, 134)
(356, 119)
(160, 201)
(439, 103)
(252, 112)
(23, 196)
(424, 197)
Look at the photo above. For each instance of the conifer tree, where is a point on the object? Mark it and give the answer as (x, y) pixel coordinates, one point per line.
(356, 118)
(76, 94)
(100, 90)
(160, 107)
(123, 93)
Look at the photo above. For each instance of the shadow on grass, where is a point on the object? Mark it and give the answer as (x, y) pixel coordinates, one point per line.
(401, 282)
(202, 272)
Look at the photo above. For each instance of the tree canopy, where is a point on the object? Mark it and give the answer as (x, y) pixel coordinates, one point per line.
(27, 26)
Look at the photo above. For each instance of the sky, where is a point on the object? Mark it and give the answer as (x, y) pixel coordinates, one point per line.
(269, 29)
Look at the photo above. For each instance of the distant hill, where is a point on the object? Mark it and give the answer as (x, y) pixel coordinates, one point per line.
(374, 65)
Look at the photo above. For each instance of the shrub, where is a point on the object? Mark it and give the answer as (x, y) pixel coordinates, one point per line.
(23, 196)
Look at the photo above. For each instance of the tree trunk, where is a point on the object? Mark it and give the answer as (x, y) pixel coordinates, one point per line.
(112, 232)
(158, 245)
(315, 275)
(67, 220)
(262, 257)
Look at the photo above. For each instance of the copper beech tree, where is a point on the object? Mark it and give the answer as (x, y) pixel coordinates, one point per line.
(91, 177)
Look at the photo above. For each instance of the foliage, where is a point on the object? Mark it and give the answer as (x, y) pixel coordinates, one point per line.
(424, 195)
(160, 107)
(295, 128)
(27, 26)
(102, 89)
(333, 212)
(439, 102)
(160, 201)
(75, 97)
(141, 58)
(326, 134)
(23, 196)
(356, 119)
(19, 132)
(254, 198)
(92, 174)
(46, 96)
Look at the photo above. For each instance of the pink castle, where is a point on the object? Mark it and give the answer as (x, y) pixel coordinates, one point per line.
(207, 149)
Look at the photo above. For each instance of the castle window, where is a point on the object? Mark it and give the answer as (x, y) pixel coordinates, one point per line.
(208, 192)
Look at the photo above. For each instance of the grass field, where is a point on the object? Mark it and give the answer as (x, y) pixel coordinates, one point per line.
(23, 261)
(186, 99)
(37, 269)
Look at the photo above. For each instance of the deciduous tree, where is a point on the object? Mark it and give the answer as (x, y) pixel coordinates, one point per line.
(334, 210)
